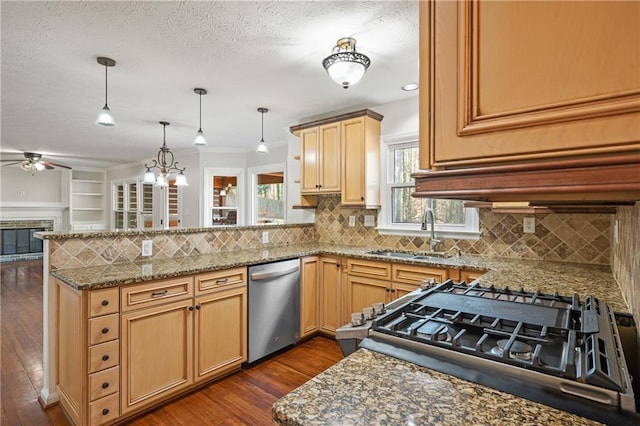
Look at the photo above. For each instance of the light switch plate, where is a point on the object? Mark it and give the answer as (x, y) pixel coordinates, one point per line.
(265, 237)
(352, 221)
(529, 225)
(369, 220)
(147, 248)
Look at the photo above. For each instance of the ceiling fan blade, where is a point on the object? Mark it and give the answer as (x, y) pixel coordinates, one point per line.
(11, 164)
(50, 164)
(48, 167)
(4, 161)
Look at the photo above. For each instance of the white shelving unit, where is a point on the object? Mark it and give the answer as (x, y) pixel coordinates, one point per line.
(87, 203)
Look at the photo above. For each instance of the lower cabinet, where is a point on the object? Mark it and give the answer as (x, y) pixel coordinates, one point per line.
(320, 295)
(122, 350)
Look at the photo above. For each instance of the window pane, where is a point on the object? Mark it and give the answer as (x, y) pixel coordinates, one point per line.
(405, 162)
(406, 209)
(450, 212)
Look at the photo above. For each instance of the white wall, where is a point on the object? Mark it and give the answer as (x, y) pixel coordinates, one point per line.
(24, 188)
(400, 117)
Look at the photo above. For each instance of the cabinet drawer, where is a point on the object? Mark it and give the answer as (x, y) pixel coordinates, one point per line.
(224, 278)
(103, 329)
(412, 274)
(367, 268)
(103, 302)
(156, 293)
(468, 276)
(104, 409)
(104, 355)
(104, 383)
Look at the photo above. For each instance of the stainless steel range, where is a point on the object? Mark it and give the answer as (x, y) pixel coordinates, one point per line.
(549, 348)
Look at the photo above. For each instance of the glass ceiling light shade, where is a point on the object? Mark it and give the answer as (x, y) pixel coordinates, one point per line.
(104, 116)
(165, 163)
(200, 139)
(345, 66)
(262, 147)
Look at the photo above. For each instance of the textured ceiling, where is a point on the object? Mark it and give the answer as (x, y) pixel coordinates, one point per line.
(247, 54)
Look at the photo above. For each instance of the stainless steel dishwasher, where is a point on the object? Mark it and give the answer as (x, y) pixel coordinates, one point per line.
(274, 307)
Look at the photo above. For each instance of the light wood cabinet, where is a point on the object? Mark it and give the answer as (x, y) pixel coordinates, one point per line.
(330, 294)
(320, 159)
(309, 295)
(500, 87)
(341, 154)
(360, 162)
(468, 276)
(88, 354)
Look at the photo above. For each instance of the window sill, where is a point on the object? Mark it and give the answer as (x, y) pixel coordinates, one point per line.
(445, 233)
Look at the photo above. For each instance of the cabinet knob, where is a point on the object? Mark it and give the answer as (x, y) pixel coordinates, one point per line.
(105, 330)
(198, 306)
(105, 411)
(361, 198)
(105, 302)
(393, 290)
(105, 385)
(191, 308)
(105, 357)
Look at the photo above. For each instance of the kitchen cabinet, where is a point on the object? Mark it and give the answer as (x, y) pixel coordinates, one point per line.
(341, 154)
(88, 354)
(370, 282)
(505, 114)
(309, 295)
(320, 157)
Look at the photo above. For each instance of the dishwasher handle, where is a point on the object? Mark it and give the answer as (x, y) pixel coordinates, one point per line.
(259, 276)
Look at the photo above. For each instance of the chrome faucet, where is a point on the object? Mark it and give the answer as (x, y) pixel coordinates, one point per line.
(428, 215)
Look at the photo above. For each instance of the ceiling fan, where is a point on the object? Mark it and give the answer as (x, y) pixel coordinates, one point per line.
(34, 162)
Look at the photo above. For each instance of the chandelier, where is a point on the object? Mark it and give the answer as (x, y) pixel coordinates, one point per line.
(165, 163)
(345, 66)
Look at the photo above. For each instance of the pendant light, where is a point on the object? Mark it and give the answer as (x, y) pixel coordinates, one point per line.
(165, 163)
(200, 139)
(345, 66)
(104, 117)
(262, 147)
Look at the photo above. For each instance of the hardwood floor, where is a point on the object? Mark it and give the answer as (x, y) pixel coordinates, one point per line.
(243, 398)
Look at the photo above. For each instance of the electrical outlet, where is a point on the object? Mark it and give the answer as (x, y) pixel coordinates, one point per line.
(352, 221)
(369, 220)
(147, 247)
(529, 225)
(265, 237)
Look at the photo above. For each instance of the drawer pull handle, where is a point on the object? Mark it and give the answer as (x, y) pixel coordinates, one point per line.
(105, 385)
(159, 293)
(105, 411)
(105, 302)
(222, 280)
(105, 330)
(105, 357)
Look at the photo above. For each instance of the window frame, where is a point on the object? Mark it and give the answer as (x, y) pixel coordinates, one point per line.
(469, 231)
(253, 202)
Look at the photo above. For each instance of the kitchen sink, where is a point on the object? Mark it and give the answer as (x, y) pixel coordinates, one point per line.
(436, 255)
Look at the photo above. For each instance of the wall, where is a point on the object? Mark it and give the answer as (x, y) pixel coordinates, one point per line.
(23, 188)
(577, 238)
(625, 259)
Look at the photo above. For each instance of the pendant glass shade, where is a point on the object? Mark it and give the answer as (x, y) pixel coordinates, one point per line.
(345, 66)
(161, 181)
(166, 165)
(149, 177)
(105, 118)
(262, 148)
(181, 180)
(200, 139)
(38, 166)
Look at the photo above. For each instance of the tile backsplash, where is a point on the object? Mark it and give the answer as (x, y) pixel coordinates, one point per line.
(581, 238)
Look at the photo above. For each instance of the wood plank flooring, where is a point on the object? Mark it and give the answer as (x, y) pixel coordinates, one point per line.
(243, 398)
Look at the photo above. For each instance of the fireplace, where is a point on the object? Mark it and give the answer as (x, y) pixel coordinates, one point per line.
(17, 240)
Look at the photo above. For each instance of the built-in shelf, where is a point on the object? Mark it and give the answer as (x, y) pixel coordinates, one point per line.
(87, 201)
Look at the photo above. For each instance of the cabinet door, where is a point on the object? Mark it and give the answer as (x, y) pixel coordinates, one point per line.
(401, 289)
(330, 289)
(309, 295)
(520, 93)
(363, 292)
(468, 276)
(157, 353)
(309, 160)
(220, 331)
(329, 178)
(353, 159)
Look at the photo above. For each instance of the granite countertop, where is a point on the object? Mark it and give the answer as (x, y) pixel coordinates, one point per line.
(531, 275)
(362, 389)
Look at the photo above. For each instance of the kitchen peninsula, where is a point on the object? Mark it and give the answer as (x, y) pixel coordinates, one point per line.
(546, 276)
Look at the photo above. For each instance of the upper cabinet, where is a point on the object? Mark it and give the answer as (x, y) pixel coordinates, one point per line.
(341, 154)
(530, 100)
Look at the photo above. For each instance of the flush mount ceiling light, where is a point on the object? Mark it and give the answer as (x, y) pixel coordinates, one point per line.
(165, 163)
(345, 66)
(199, 139)
(104, 117)
(409, 87)
(262, 147)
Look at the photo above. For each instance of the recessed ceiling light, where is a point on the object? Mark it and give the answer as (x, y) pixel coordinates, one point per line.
(410, 87)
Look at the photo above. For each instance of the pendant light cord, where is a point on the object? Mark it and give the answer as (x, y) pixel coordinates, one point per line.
(105, 86)
(200, 126)
(262, 135)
